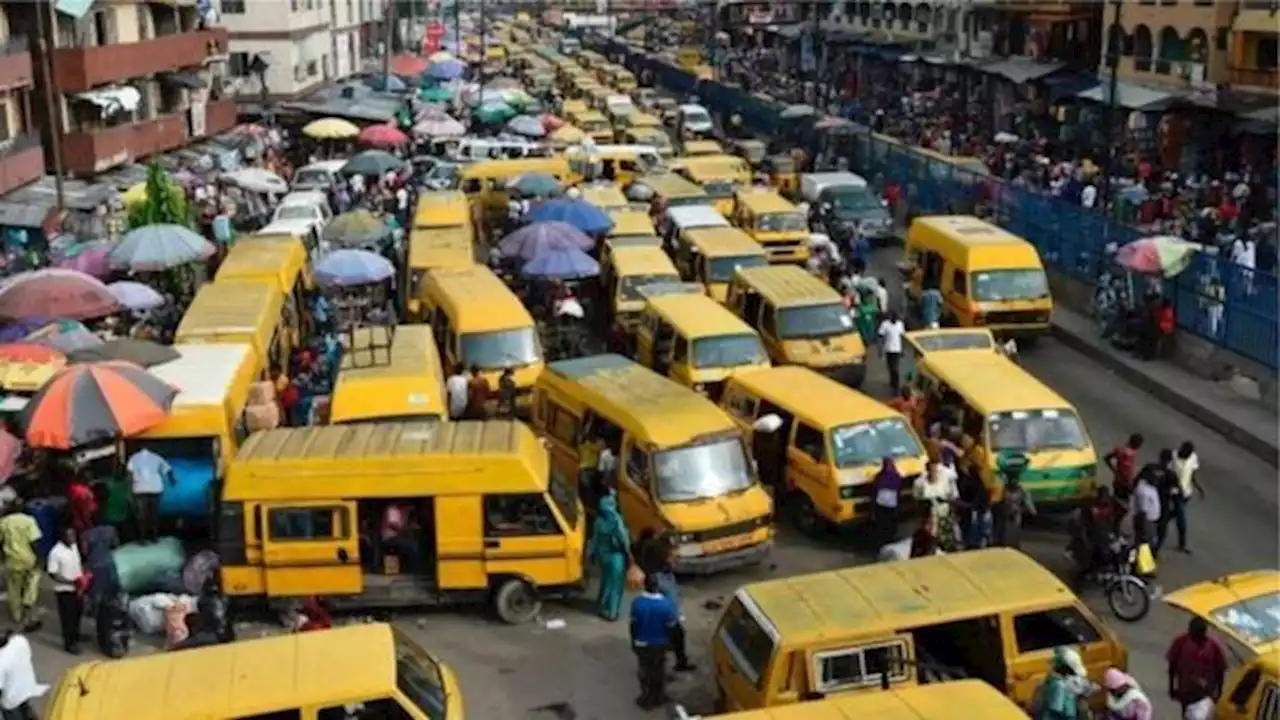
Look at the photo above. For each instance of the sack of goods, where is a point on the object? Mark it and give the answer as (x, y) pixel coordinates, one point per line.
(261, 393)
(264, 416)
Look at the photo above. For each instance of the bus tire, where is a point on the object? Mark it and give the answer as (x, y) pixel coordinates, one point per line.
(516, 601)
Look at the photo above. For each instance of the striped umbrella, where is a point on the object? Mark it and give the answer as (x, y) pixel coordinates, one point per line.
(95, 403)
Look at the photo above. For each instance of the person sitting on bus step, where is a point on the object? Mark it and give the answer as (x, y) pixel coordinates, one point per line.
(398, 536)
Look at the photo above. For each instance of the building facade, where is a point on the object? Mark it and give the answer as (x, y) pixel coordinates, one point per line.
(1171, 44)
(286, 48)
(1252, 61)
(21, 152)
(129, 80)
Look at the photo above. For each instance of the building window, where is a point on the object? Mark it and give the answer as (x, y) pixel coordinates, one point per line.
(1198, 46)
(294, 5)
(1172, 48)
(238, 64)
(233, 7)
(313, 68)
(1117, 42)
(1265, 56)
(299, 73)
(5, 131)
(1142, 48)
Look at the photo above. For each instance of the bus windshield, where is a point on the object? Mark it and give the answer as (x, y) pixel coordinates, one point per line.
(813, 321)
(698, 472)
(1029, 431)
(501, 348)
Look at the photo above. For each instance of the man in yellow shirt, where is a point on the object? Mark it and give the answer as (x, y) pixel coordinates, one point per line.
(19, 535)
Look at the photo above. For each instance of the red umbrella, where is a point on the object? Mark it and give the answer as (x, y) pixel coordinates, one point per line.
(408, 65)
(382, 136)
(10, 449)
(96, 402)
(550, 122)
(30, 353)
(55, 292)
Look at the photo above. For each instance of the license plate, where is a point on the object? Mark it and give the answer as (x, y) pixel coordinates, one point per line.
(726, 544)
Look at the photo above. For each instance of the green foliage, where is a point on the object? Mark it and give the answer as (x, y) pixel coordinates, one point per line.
(166, 202)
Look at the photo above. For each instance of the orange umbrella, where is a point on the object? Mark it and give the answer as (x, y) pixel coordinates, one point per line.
(94, 403)
(30, 353)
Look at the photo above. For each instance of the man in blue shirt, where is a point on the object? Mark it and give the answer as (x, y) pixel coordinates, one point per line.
(653, 617)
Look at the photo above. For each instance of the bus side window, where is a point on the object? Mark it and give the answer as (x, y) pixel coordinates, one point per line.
(1243, 690)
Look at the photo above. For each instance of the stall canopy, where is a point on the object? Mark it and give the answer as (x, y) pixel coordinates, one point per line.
(1130, 97)
(1021, 69)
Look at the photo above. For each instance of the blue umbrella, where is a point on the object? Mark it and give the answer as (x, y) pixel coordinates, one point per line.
(445, 69)
(353, 267)
(389, 83)
(159, 247)
(526, 125)
(581, 214)
(533, 240)
(563, 263)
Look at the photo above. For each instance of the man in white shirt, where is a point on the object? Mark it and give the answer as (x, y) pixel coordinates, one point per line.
(456, 388)
(402, 200)
(64, 570)
(150, 474)
(891, 331)
(18, 686)
(1186, 463)
(882, 297)
(1089, 196)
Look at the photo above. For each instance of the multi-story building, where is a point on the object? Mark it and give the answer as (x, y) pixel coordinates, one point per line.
(286, 48)
(1254, 32)
(1171, 44)
(21, 153)
(129, 80)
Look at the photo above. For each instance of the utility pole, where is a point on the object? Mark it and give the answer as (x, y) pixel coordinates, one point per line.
(1113, 65)
(457, 27)
(46, 24)
(484, 44)
(388, 25)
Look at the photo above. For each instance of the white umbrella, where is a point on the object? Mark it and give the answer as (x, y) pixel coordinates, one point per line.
(257, 180)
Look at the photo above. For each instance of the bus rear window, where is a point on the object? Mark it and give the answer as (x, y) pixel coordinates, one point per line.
(748, 644)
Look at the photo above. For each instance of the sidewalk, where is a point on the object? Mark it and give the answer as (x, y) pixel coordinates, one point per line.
(1245, 422)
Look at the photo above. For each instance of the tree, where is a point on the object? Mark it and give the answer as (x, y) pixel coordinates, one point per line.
(165, 202)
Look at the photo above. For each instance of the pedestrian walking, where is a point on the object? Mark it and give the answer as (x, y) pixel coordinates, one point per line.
(19, 534)
(1125, 699)
(18, 686)
(1186, 465)
(886, 489)
(1009, 512)
(891, 332)
(66, 571)
(1123, 463)
(1196, 665)
(653, 619)
(609, 550)
(652, 553)
(1064, 689)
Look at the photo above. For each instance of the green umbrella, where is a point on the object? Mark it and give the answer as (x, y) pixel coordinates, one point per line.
(515, 97)
(494, 113)
(435, 95)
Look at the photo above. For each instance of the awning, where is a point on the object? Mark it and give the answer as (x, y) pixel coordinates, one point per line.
(184, 78)
(1131, 97)
(1021, 69)
(1069, 84)
(113, 100)
(23, 215)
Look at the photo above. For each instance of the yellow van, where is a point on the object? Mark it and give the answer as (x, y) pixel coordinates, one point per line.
(632, 227)
(280, 258)
(957, 700)
(490, 520)
(625, 271)
(711, 255)
(606, 196)
(695, 341)
(720, 177)
(403, 382)
(624, 80)
(988, 277)
(477, 320)
(775, 223)
(675, 190)
(824, 455)
(430, 250)
(485, 182)
(700, 148)
(994, 614)
(1243, 607)
(801, 319)
(594, 124)
(252, 313)
(620, 163)
(205, 427)
(655, 137)
(682, 465)
(305, 676)
(1005, 410)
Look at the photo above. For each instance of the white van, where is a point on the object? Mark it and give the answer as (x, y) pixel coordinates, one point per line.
(689, 217)
(320, 176)
(479, 149)
(695, 119)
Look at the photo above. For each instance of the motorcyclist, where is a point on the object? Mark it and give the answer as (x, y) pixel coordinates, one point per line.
(1091, 532)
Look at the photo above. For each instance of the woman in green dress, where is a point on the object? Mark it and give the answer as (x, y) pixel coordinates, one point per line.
(610, 550)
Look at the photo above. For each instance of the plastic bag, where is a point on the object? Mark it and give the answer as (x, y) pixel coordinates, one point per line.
(143, 567)
(175, 623)
(1146, 562)
(147, 612)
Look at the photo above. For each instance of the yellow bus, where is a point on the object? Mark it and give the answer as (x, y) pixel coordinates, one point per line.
(402, 381)
(253, 313)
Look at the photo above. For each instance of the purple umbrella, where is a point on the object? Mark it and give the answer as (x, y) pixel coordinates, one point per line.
(532, 240)
(16, 331)
(90, 258)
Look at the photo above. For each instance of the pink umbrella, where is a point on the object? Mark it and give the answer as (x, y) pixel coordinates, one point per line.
(550, 122)
(55, 292)
(432, 112)
(382, 136)
(408, 65)
(89, 258)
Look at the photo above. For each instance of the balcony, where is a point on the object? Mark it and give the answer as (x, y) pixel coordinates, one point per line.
(1252, 77)
(15, 63)
(21, 162)
(79, 69)
(89, 153)
(219, 117)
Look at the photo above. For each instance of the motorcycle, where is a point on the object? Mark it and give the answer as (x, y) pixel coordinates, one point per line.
(1128, 595)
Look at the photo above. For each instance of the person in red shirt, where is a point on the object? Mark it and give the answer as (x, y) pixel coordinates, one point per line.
(1166, 323)
(82, 505)
(315, 616)
(1197, 665)
(1123, 462)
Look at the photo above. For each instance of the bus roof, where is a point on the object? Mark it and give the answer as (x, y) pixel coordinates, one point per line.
(842, 405)
(956, 700)
(724, 241)
(412, 349)
(203, 373)
(664, 412)
(642, 260)
(305, 463)
(475, 293)
(236, 307)
(765, 201)
(977, 243)
(605, 197)
(239, 679)
(698, 315)
(894, 596)
(631, 222)
(788, 286)
(991, 382)
(441, 208)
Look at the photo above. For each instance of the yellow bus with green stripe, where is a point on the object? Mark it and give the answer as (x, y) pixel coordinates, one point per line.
(1007, 411)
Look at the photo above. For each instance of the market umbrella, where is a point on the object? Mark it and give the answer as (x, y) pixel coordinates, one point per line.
(440, 56)
(136, 295)
(341, 268)
(473, 96)
(90, 258)
(136, 194)
(526, 125)
(10, 450)
(561, 263)
(440, 128)
(55, 292)
(386, 83)
(494, 112)
(504, 83)
(95, 402)
(16, 331)
(159, 247)
(139, 352)
(1160, 255)
(435, 94)
(567, 134)
(257, 180)
(330, 129)
(29, 352)
(795, 112)
(383, 136)
(372, 162)
(580, 214)
(534, 185)
(550, 122)
(47, 329)
(832, 122)
(432, 112)
(515, 97)
(407, 65)
(446, 69)
(358, 227)
(68, 341)
(534, 239)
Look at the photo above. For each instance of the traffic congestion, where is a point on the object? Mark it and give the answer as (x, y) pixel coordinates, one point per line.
(580, 391)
